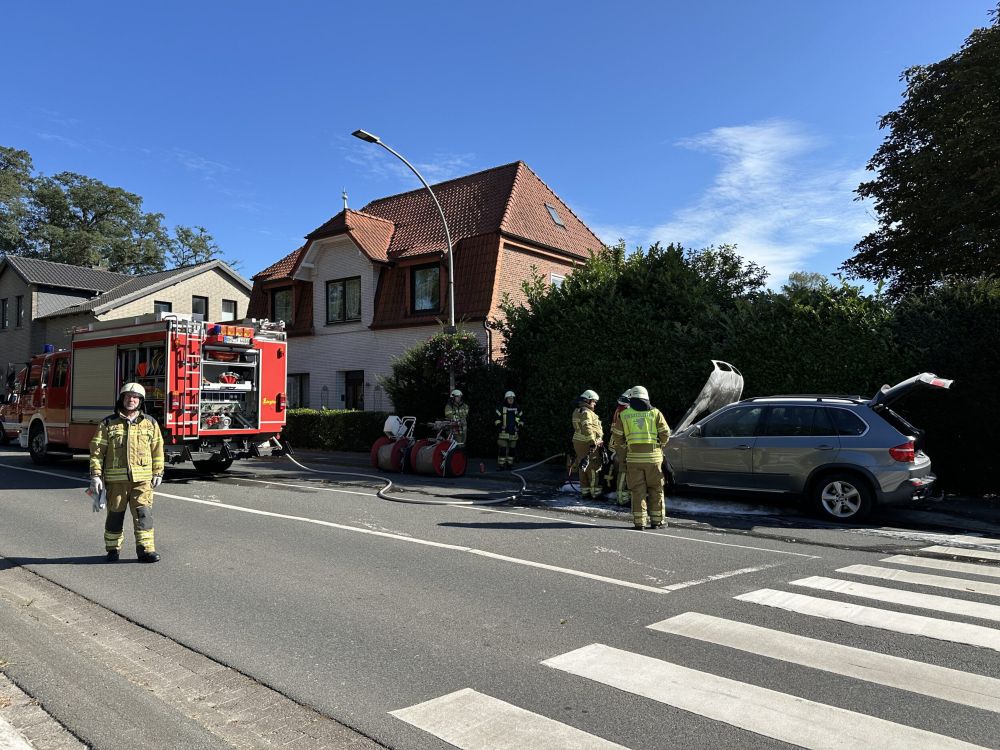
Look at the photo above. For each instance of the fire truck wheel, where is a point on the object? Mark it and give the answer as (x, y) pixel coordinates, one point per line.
(454, 464)
(212, 465)
(38, 445)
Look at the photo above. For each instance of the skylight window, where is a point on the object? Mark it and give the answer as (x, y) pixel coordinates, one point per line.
(555, 215)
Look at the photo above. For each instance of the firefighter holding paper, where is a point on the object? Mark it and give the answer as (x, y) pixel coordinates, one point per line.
(126, 460)
(641, 432)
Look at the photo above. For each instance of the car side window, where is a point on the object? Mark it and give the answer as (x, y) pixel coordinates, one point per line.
(847, 423)
(798, 421)
(739, 422)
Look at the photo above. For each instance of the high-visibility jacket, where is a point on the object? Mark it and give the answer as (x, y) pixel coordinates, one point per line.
(508, 420)
(587, 425)
(123, 451)
(457, 413)
(642, 433)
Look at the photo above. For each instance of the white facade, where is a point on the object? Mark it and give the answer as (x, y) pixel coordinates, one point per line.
(337, 349)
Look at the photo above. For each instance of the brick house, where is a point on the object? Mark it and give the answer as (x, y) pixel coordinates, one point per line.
(40, 301)
(368, 285)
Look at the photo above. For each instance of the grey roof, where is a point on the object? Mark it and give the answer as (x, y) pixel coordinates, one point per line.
(47, 273)
(141, 286)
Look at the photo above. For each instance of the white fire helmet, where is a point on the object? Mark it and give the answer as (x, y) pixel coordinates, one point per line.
(509, 394)
(589, 395)
(623, 399)
(456, 392)
(640, 392)
(135, 388)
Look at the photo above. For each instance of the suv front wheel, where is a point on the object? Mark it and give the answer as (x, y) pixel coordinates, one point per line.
(842, 497)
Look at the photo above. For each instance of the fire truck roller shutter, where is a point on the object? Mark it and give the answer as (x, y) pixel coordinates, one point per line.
(94, 391)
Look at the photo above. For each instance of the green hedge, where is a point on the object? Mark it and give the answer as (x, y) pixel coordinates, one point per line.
(333, 429)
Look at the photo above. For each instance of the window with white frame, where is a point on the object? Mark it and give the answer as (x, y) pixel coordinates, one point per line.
(425, 288)
(343, 300)
(556, 279)
(281, 305)
(228, 310)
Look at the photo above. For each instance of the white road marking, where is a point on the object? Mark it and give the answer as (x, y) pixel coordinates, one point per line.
(884, 619)
(963, 552)
(303, 486)
(927, 536)
(718, 576)
(784, 717)
(991, 571)
(739, 546)
(906, 598)
(924, 579)
(474, 721)
(947, 684)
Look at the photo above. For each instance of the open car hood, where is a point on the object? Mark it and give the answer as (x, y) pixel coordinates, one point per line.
(887, 395)
(724, 386)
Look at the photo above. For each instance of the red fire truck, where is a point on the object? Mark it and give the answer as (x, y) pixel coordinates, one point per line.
(217, 389)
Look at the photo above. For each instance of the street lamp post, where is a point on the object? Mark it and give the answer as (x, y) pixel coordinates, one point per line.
(370, 138)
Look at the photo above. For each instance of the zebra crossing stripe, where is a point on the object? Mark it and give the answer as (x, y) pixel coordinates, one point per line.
(947, 684)
(474, 721)
(990, 571)
(906, 598)
(884, 619)
(924, 579)
(766, 712)
(962, 552)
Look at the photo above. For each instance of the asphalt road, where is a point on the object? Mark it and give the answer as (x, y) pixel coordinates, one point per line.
(365, 610)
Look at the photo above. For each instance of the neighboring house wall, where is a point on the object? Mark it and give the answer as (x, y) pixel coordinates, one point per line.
(56, 331)
(47, 300)
(214, 284)
(15, 341)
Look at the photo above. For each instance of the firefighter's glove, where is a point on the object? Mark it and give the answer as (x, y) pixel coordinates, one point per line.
(96, 486)
(157, 478)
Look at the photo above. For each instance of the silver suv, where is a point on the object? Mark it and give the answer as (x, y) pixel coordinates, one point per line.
(843, 454)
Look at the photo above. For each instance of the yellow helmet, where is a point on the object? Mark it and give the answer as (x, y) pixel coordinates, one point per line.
(135, 388)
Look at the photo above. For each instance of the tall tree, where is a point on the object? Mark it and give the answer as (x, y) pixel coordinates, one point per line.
(937, 184)
(15, 198)
(192, 245)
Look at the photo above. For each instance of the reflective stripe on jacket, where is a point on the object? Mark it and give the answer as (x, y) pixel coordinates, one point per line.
(508, 420)
(643, 433)
(123, 451)
(587, 426)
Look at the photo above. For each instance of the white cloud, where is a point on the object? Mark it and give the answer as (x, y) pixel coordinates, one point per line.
(374, 160)
(207, 168)
(774, 196)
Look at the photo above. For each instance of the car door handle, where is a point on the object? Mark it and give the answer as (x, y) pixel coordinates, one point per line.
(824, 447)
(742, 447)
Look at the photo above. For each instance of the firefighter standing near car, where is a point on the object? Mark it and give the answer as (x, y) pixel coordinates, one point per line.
(126, 461)
(509, 421)
(641, 432)
(588, 437)
(457, 412)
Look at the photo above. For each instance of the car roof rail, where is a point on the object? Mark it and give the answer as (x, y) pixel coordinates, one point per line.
(809, 397)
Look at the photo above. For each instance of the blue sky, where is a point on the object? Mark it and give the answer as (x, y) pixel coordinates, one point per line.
(701, 123)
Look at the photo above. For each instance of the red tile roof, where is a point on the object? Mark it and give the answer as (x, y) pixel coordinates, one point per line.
(370, 233)
(282, 269)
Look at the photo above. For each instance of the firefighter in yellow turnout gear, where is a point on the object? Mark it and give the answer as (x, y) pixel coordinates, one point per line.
(126, 459)
(588, 437)
(509, 421)
(642, 431)
(457, 412)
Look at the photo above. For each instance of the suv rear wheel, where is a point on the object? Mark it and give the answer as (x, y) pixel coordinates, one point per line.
(842, 497)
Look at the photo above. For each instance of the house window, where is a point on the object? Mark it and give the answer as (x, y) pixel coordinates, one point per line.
(162, 307)
(425, 288)
(555, 215)
(199, 306)
(556, 279)
(343, 300)
(298, 391)
(4, 314)
(281, 305)
(228, 310)
(19, 314)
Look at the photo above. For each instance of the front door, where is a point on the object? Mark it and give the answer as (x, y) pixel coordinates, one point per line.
(722, 454)
(354, 389)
